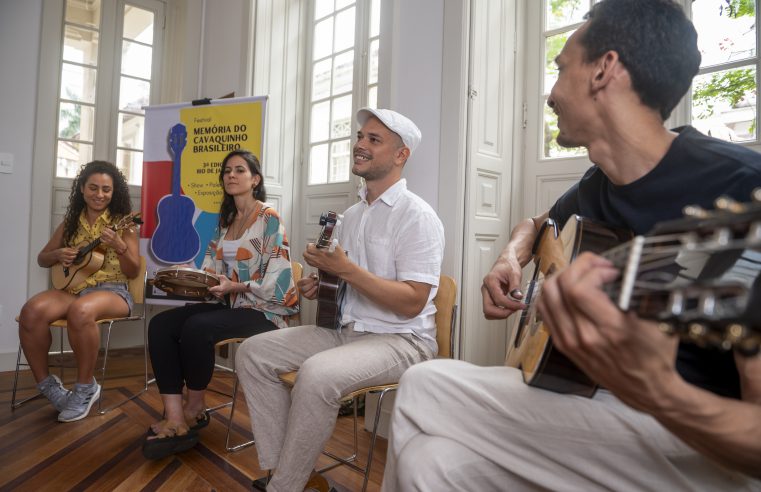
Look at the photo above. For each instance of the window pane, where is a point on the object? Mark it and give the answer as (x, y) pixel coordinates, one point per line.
(318, 164)
(344, 30)
(134, 94)
(130, 131)
(80, 45)
(727, 31)
(375, 18)
(341, 123)
(372, 67)
(372, 97)
(339, 161)
(70, 157)
(724, 104)
(321, 79)
(77, 83)
(344, 72)
(136, 59)
(561, 13)
(84, 12)
(138, 24)
(320, 122)
(552, 47)
(343, 3)
(130, 163)
(550, 132)
(323, 38)
(322, 8)
(76, 121)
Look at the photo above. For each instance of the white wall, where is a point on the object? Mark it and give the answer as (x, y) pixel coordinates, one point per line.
(423, 74)
(19, 48)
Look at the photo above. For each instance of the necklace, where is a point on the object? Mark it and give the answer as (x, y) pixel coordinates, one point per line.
(242, 218)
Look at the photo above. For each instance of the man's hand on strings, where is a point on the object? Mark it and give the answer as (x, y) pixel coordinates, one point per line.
(627, 355)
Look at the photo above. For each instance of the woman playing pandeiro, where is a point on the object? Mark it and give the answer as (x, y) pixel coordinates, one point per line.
(250, 256)
(99, 199)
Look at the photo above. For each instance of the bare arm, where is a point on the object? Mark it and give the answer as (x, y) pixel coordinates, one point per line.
(505, 274)
(126, 247)
(55, 252)
(727, 431)
(636, 362)
(405, 298)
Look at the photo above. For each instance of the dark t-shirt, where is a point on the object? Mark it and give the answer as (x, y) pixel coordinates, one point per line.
(695, 171)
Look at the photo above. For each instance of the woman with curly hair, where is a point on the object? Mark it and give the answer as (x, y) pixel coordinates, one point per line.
(99, 199)
(250, 255)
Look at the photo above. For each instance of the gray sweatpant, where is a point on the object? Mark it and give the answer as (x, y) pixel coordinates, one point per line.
(456, 426)
(291, 427)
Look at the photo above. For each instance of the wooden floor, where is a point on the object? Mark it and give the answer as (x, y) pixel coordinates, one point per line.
(103, 452)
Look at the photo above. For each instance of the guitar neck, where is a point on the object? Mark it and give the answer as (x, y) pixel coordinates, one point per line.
(176, 173)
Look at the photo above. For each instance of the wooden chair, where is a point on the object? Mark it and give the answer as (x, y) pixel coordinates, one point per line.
(445, 318)
(296, 269)
(137, 289)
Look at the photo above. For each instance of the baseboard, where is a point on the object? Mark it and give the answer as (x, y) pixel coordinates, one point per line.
(8, 361)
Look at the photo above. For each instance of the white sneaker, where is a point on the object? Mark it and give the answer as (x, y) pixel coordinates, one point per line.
(80, 401)
(54, 391)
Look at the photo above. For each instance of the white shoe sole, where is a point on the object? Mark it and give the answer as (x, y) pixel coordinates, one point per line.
(84, 414)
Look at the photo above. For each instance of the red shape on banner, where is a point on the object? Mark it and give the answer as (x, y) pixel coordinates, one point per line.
(157, 182)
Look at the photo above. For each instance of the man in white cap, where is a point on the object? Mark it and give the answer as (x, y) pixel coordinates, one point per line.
(389, 252)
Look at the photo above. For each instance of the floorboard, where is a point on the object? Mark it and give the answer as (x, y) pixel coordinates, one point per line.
(103, 452)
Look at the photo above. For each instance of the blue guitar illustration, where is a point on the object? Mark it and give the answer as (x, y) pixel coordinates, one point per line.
(175, 240)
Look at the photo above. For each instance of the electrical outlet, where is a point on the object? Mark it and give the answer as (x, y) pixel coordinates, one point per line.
(6, 162)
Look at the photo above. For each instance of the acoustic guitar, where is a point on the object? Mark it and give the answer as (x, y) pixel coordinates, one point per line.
(330, 288)
(175, 240)
(697, 276)
(89, 258)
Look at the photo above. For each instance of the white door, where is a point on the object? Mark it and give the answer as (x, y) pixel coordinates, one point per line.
(489, 176)
(549, 170)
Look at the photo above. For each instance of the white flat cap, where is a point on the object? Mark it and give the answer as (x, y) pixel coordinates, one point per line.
(397, 123)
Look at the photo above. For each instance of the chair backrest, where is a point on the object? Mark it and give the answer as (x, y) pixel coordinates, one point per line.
(445, 314)
(137, 285)
(297, 269)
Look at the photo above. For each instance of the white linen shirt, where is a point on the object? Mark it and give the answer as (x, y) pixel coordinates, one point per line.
(397, 237)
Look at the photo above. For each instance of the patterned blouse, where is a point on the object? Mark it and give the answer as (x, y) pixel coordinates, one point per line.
(110, 271)
(263, 263)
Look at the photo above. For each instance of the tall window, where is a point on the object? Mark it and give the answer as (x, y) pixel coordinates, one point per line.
(106, 79)
(344, 76)
(723, 99)
(561, 18)
(724, 92)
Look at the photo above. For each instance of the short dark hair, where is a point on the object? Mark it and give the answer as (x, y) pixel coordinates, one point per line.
(227, 210)
(655, 41)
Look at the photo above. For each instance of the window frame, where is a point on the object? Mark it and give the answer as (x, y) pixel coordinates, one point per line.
(105, 141)
(360, 90)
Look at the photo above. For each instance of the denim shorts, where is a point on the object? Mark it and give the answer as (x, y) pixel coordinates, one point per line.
(118, 288)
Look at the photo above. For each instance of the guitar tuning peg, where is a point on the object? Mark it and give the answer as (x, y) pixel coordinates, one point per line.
(697, 331)
(666, 328)
(695, 212)
(735, 333)
(756, 195)
(729, 205)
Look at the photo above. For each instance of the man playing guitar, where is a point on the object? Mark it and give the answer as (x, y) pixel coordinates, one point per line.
(395, 244)
(672, 415)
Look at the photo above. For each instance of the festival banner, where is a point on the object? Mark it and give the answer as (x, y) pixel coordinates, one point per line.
(181, 194)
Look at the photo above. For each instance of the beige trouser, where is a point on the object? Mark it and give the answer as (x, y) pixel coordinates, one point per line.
(456, 426)
(291, 427)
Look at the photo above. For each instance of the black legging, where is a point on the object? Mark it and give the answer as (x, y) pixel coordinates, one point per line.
(181, 342)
